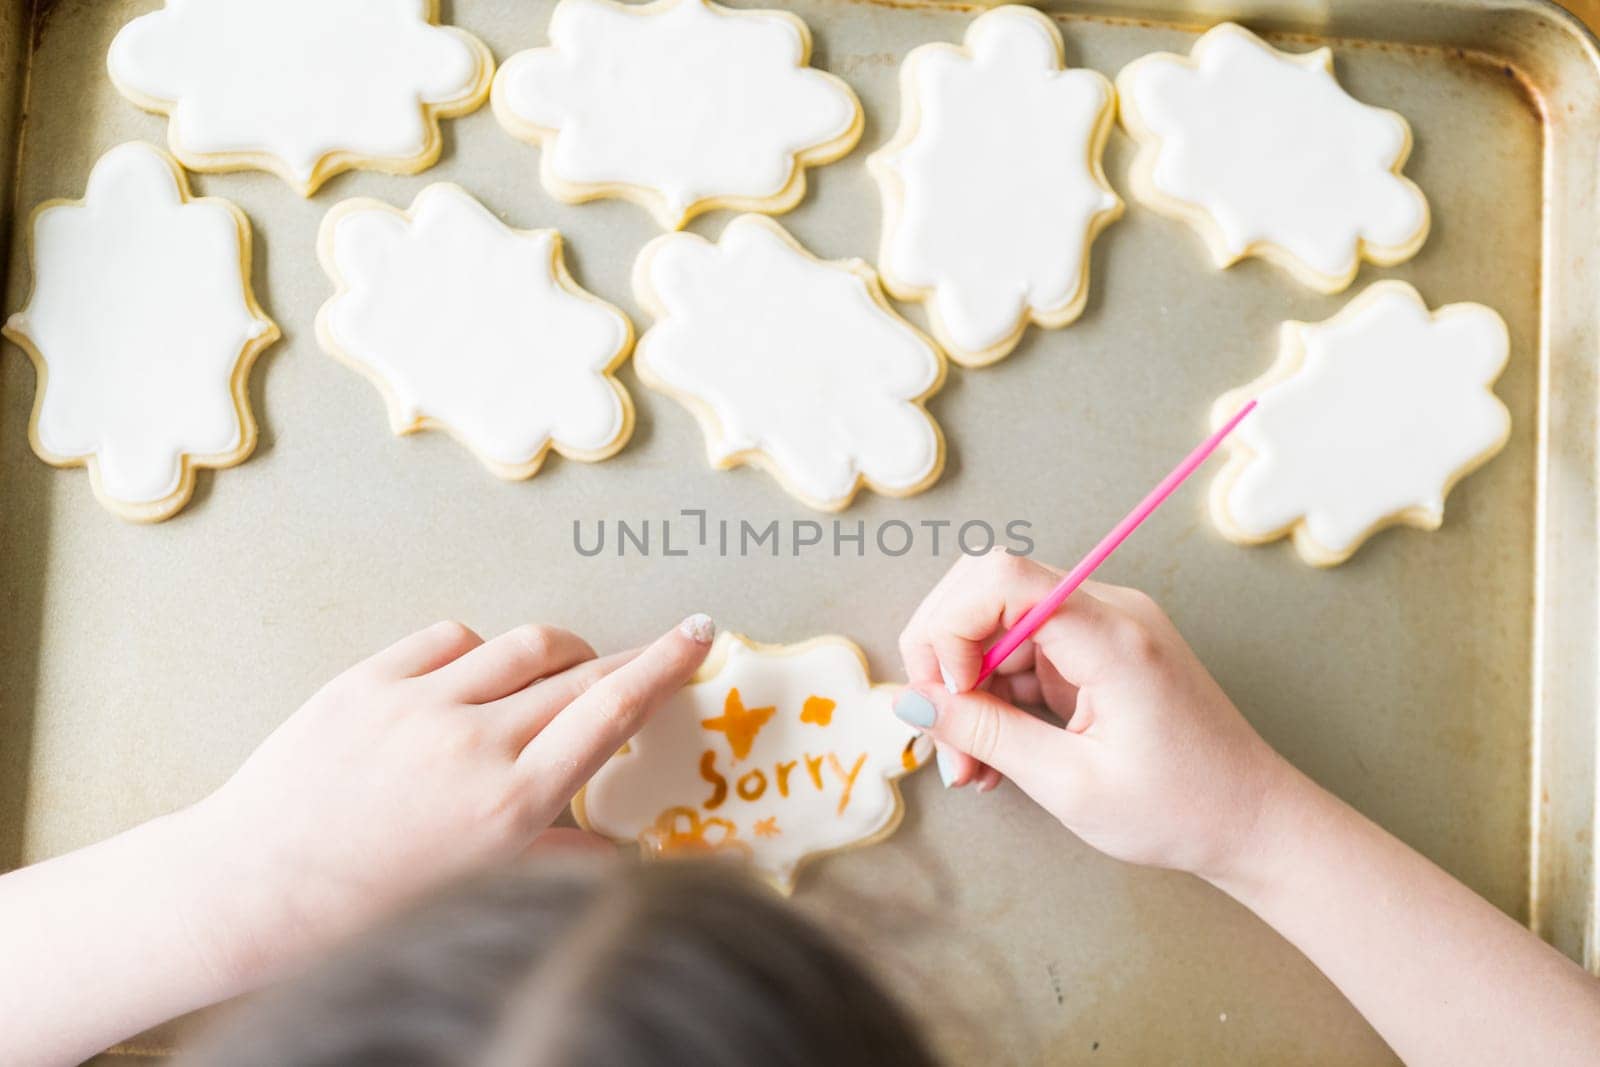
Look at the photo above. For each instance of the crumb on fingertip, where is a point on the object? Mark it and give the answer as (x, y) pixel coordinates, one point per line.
(949, 682)
(699, 628)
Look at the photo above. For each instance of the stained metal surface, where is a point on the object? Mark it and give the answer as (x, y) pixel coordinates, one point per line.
(1443, 683)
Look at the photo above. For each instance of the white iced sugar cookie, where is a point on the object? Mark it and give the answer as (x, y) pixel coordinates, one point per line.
(1265, 154)
(142, 328)
(1367, 420)
(303, 88)
(469, 326)
(682, 106)
(778, 753)
(992, 187)
(792, 363)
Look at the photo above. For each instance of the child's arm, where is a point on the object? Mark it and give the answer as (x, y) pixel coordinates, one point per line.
(1156, 766)
(439, 755)
(1444, 976)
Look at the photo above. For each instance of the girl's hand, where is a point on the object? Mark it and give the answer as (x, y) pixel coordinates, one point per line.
(440, 755)
(1154, 764)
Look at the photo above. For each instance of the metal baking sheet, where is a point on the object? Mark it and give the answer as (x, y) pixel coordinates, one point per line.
(1443, 683)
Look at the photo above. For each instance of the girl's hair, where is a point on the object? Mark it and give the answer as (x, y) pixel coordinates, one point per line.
(672, 964)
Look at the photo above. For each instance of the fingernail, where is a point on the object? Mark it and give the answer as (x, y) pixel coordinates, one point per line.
(699, 628)
(947, 771)
(949, 682)
(915, 709)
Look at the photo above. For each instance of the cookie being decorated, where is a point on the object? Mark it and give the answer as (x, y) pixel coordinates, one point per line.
(682, 106)
(992, 187)
(142, 328)
(1367, 420)
(792, 363)
(469, 326)
(773, 753)
(305, 89)
(1265, 154)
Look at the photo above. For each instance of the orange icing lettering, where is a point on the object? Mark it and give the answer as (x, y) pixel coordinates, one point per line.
(814, 768)
(908, 758)
(752, 785)
(783, 770)
(719, 784)
(758, 785)
(849, 779)
(680, 830)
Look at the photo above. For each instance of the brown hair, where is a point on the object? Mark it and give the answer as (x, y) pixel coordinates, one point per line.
(673, 963)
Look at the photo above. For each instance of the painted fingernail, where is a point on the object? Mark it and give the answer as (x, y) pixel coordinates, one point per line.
(915, 709)
(947, 771)
(699, 628)
(949, 682)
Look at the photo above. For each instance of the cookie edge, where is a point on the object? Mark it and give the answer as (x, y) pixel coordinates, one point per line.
(399, 424)
(780, 202)
(891, 189)
(1290, 358)
(238, 383)
(330, 164)
(1147, 143)
(711, 427)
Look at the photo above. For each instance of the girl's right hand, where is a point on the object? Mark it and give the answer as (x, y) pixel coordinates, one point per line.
(1154, 764)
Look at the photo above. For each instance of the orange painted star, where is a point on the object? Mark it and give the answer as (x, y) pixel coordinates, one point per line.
(739, 723)
(767, 827)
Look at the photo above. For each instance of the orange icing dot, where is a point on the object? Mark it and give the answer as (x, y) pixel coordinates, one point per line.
(818, 710)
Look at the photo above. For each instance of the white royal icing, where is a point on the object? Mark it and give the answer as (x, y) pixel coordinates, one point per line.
(790, 362)
(993, 187)
(469, 325)
(1368, 418)
(306, 88)
(776, 753)
(1267, 155)
(681, 105)
(143, 328)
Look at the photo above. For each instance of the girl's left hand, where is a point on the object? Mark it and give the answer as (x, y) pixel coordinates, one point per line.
(440, 755)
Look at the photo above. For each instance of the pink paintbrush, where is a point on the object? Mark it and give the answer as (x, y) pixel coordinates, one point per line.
(1029, 623)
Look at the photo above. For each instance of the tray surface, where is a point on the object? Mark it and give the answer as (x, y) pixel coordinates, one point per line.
(138, 666)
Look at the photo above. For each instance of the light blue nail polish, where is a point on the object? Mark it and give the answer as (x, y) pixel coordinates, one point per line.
(947, 771)
(915, 709)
